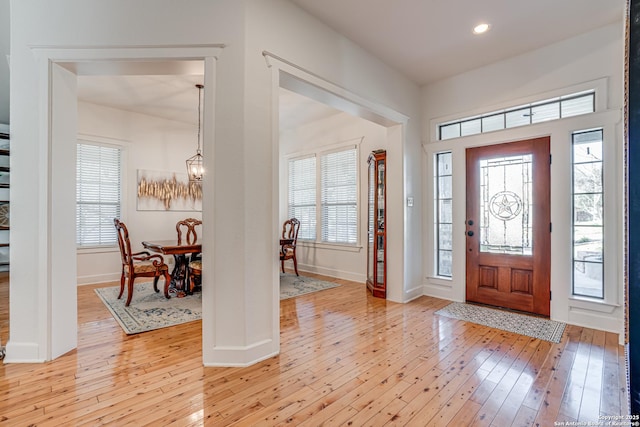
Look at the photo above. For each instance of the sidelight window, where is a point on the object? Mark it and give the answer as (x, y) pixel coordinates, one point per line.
(588, 214)
(444, 213)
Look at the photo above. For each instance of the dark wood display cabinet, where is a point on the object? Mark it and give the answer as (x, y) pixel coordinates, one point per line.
(376, 228)
(4, 201)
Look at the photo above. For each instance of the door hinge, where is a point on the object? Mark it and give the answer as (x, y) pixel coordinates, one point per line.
(550, 160)
(550, 296)
(550, 227)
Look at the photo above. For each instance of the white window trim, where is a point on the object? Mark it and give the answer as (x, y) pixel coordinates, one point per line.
(123, 145)
(317, 153)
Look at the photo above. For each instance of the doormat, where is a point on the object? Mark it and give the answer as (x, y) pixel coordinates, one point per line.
(530, 326)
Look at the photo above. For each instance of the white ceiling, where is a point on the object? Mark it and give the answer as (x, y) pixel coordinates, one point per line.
(426, 40)
(175, 97)
(432, 39)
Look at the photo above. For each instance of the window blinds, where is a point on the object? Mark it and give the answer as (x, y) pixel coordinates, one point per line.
(339, 196)
(302, 195)
(98, 183)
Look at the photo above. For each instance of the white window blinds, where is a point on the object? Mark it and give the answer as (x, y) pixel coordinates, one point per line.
(98, 183)
(302, 195)
(339, 196)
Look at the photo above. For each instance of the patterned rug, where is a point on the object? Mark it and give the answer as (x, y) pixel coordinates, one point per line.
(531, 326)
(293, 286)
(149, 310)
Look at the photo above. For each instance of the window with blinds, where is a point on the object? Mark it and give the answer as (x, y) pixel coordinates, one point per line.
(302, 195)
(339, 196)
(324, 197)
(98, 198)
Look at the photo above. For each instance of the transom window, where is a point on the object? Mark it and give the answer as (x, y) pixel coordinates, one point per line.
(536, 112)
(336, 202)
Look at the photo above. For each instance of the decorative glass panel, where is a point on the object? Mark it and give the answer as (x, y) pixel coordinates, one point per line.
(505, 205)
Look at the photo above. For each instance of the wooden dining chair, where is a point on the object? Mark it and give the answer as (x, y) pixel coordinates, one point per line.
(139, 264)
(288, 243)
(188, 226)
(194, 266)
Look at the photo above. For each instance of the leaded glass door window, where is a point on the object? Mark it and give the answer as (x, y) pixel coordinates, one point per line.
(505, 205)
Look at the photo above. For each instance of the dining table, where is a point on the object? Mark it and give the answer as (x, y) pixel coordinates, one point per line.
(181, 252)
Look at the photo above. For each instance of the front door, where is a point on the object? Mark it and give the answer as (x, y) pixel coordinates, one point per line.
(508, 225)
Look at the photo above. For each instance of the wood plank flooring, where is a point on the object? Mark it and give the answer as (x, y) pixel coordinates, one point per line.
(346, 359)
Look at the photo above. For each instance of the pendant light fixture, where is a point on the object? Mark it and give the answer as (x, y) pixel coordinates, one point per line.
(195, 166)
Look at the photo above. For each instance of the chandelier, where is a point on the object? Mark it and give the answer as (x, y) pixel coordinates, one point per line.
(195, 166)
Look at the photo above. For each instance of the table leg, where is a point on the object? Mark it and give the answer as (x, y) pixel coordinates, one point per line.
(178, 275)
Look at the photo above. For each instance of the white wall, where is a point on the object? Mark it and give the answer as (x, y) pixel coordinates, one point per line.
(240, 209)
(333, 260)
(282, 29)
(592, 60)
(149, 143)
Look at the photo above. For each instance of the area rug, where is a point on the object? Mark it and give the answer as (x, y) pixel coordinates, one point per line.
(150, 310)
(531, 326)
(293, 286)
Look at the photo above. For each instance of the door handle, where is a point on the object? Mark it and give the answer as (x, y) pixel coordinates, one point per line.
(470, 222)
(469, 233)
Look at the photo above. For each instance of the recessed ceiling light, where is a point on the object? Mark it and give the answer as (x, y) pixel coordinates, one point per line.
(481, 28)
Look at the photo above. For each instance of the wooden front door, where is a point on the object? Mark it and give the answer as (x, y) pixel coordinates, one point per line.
(508, 225)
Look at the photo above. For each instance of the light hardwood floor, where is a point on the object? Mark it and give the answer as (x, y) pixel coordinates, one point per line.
(346, 359)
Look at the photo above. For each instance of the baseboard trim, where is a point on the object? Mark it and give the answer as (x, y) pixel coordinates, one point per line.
(22, 353)
(98, 278)
(338, 274)
(240, 356)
